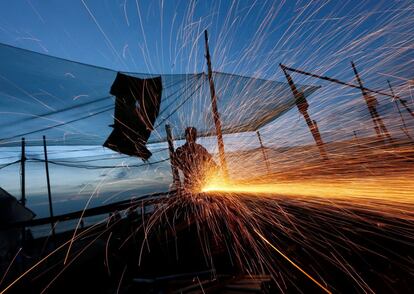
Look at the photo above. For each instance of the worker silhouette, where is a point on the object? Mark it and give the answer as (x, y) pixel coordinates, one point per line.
(194, 161)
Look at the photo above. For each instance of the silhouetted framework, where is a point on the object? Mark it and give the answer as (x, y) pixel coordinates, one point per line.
(174, 169)
(404, 103)
(216, 115)
(49, 193)
(404, 127)
(23, 173)
(360, 86)
(264, 152)
(23, 185)
(90, 118)
(372, 103)
(303, 106)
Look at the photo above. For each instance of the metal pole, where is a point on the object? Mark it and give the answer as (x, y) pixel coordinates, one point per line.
(335, 81)
(216, 115)
(23, 171)
(49, 194)
(404, 128)
(371, 104)
(264, 152)
(303, 105)
(404, 103)
(23, 187)
(174, 169)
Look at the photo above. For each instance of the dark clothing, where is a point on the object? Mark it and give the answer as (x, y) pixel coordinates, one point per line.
(196, 163)
(137, 106)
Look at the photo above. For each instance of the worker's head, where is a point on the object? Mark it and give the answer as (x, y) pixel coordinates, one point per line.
(191, 134)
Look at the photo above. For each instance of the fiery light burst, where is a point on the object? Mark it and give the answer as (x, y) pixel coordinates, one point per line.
(335, 222)
(394, 189)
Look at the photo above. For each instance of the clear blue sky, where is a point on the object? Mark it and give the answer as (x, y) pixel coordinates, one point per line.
(248, 37)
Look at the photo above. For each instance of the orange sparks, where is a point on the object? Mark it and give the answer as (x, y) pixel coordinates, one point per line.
(294, 264)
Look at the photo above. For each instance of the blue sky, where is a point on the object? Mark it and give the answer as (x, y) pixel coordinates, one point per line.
(115, 34)
(164, 36)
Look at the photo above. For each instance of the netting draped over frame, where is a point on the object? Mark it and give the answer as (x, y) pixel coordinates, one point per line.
(70, 103)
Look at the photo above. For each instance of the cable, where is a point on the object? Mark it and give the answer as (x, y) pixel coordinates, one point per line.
(9, 164)
(66, 160)
(57, 125)
(98, 166)
(178, 107)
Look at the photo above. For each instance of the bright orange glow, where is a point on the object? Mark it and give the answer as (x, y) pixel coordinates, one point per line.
(394, 188)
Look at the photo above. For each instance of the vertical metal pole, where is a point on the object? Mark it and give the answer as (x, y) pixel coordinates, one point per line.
(174, 169)
(23, 171)
(404, 128)
(371, 104)
(264, 152)
(23, 187)
(216, 115)
(402, 101)
(303, 105)
(49, 194)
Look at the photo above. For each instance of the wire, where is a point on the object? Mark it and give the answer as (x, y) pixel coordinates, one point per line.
(9, 164)
(178, 107)
(58, 125)
(99, 166)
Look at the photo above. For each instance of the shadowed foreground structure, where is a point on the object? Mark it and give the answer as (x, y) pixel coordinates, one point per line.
(207, 241)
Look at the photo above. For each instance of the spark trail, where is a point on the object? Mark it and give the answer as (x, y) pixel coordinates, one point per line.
(327, 216)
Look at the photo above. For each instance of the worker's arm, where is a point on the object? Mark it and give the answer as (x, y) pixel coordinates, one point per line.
(209, 158)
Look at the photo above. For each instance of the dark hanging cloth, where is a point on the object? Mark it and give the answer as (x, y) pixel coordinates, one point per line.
(137, 106)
